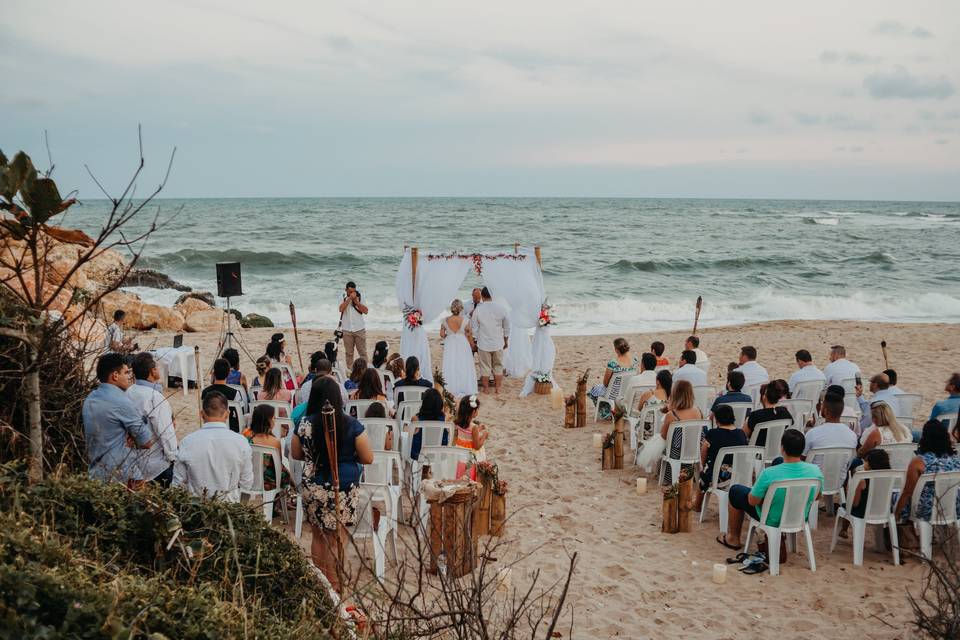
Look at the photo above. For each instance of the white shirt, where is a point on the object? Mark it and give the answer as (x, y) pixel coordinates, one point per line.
(352, 319)
(753, 373)
(702, 357)
(114, 334)
(895, 390)
(163, 449)
(888, 396)
(214, 461)
(830, 434)
(490, 325)
(805, 374)
(691, 373)
(644, 379)
(840, 370)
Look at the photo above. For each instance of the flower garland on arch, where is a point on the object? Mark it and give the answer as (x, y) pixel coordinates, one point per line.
(476, 258)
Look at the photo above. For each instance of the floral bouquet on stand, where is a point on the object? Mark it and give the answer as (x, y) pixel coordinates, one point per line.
(413, 318)
(542, 382)
(546, 315)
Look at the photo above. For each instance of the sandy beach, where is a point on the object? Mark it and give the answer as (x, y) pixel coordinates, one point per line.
(632, 581)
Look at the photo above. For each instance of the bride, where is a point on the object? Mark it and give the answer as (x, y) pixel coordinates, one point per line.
(459, 373)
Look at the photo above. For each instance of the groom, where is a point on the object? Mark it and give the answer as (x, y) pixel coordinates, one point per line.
(491, 328)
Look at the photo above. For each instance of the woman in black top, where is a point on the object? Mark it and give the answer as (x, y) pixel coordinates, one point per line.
(725, 434)
(411, 378)
(770, 394)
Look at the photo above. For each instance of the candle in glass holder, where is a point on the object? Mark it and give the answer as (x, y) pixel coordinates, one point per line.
(556, 398)
(719, 574)
(641, 486)
(597, 441)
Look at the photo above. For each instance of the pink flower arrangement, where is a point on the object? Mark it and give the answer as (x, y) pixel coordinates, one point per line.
(414, 318)
(546, 315)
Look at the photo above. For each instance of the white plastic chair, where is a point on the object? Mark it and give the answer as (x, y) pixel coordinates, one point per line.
(387, 470)
(431, 435)
(808, 390)
(801, 410)
(740, 412)
(744, 464)
(793, 519)
(948, 419)
(703, 397)
(944, 513)
(900, 455)
(638, 433)
(691, 432)
(406, 410)
(881, 485)
(243, 395)
(833, 462)
(281, 409)
(753, 390)
(267, 496)
(408, 393)
(358, 408)
(703, 366)
(774, 430)
(236, 411)
(850, 393)
(296, 480)
(631, 403)
(278, 425)
(387, 383)
(288, 374)
(377, 430)
(907, 403)
(613, 392)
(370, 494)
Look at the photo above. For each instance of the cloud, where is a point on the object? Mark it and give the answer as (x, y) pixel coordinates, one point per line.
(900, 83)
(942, 141)
(848, 57)
(838, 121)
(895, 28)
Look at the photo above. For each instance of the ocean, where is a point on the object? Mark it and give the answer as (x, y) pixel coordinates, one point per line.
(610, 265)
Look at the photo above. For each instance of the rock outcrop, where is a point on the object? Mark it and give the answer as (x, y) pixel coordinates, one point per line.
(153, 279)
(204, 296)
(255, 321)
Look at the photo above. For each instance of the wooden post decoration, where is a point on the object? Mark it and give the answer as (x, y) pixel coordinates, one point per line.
(296, 336)
(452, 533)
(670, 510)
(619, 419)
(414, 254)
(186, 378)
(696, 318)
(883, 348)
(685, 503)
(570, 412)
(329, 425)
(498, 513)
(582, 399)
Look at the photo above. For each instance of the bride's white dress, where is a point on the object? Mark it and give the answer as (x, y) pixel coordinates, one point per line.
(459, 372)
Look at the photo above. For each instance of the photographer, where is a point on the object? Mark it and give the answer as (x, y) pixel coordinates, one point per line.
(352, 328)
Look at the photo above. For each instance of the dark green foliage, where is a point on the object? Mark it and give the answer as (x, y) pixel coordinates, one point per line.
(83, 559)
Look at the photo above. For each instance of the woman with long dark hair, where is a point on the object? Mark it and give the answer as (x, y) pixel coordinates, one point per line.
(411, 378)
(471, 434)
(379, 354)
(353, 450)
(431, 409)
(273, 387)
(356, 372)
(935, 453)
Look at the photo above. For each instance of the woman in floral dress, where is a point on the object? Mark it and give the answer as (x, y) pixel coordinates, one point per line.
(353, 450)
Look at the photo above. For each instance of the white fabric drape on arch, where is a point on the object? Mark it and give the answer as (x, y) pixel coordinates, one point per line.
(544, 355)
(519, 284)
(437, 285)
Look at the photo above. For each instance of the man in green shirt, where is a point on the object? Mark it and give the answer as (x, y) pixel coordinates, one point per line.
(750, 500)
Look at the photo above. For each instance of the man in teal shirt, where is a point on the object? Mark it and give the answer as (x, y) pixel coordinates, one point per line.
(750, 500)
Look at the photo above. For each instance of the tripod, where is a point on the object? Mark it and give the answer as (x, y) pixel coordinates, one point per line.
(227, 341)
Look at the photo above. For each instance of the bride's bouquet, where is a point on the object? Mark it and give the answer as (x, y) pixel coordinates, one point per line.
(546, 315)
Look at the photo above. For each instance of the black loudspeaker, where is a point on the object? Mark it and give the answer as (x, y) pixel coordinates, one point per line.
(228, 280)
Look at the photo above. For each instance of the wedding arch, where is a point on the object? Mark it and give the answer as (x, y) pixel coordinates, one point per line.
(428, 282)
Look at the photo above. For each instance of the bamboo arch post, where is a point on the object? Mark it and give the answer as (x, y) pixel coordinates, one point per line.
(539, 256)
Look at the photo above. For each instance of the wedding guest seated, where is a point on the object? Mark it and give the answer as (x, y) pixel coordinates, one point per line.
(379, 355)
(770, 394)
(734, 393)
(221, 370)
(470, 433)
(753, 373)
(680, 406)
(874, 460)
(330, 348)
(323, 370)
(657, 348)
(806, 370)
(749, 500)
(411, 378)
(262, 365)
(693, 344)
(356, 372)
(277, 356)
(304, 392)
(648, 371)
(261, 433)
(431, 409)
(689, 371)
(377, 410)
(725, 434)
(832, 432)
(660, 394)
(236, 376)
(273, 388)
(622, 362)
(840, 368)
(892, 377)
(951, 404)
(935, 453)
(213, 461)
(395, 365)
(370, 388)
(884, 429)
(112, 424)
(880, 388)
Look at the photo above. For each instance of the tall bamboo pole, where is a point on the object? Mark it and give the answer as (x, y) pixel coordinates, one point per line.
(186, 379)
(414, 254)
(536, 252)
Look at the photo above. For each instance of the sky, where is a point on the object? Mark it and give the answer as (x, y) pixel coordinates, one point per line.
(751, 99)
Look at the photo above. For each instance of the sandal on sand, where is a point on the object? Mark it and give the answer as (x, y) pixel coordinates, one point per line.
(756, 567)
(722, 539)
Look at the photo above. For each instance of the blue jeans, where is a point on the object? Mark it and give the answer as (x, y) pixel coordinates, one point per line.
(738, 494)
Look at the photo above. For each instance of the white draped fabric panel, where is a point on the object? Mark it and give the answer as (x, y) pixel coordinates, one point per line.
(518, 283)
(544, 355)
(437, 284)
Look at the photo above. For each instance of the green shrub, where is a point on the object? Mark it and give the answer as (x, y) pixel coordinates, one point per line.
(84, 559)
